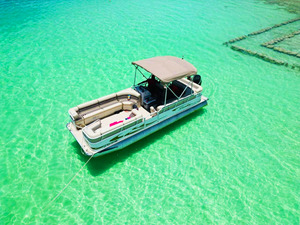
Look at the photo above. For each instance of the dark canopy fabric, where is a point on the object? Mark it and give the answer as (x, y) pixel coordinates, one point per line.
(167, 68)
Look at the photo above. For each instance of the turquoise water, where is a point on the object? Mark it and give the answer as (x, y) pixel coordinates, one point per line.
(235, 161)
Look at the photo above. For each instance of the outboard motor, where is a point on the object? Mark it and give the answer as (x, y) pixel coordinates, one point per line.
(197, 79)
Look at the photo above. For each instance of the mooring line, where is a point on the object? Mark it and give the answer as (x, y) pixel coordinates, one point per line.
(61, 191)
(69, 181)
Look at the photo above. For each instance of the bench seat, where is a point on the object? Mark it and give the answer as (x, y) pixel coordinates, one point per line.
(95, 129)
(88, 112)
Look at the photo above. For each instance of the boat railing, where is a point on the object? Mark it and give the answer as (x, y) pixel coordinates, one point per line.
(177, 103)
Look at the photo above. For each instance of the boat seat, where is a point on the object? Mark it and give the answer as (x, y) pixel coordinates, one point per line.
(129, 95)
(95, 130)
(88, 112)
(73, 113)
(127, 105)
(87, 106)
(95, 125)
(107, 100)
(101, 113)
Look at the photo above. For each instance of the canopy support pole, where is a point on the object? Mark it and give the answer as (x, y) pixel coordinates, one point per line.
(141, 72)
(173, 92)
(183, 92)
(134, 76)
(166, 94)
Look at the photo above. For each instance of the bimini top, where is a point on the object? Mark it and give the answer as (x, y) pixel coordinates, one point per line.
(167, 68)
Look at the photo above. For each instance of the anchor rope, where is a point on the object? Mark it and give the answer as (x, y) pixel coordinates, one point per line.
(67, 185)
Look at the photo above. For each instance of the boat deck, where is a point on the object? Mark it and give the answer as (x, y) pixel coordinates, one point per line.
(172, 91)
(78, 135)
(121, 116)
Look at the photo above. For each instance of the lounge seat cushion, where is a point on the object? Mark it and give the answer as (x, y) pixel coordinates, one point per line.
(88, 112)
(101, 113)
(127, 105)
(95, 125)
(90, 117)
(87, 107)
(128, 91)
(107, 100)
(112, 109)
(73, 113)
(90, 133)
(93, 130)
(134, 96)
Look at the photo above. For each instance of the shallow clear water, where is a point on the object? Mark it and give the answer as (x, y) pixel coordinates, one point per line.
(235, 161)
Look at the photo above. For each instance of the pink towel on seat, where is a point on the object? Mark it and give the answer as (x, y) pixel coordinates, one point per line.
(116, 122)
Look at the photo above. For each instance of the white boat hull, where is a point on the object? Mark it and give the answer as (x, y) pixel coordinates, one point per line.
(136, 133)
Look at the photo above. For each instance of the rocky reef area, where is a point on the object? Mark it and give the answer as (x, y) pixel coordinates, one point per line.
(293, 6)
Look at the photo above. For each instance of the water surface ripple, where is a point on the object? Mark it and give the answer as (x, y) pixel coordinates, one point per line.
(236, 161)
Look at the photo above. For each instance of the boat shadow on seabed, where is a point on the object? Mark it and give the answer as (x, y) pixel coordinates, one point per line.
(99, 165)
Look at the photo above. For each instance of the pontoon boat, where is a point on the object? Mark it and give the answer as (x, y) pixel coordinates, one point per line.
(170, 90)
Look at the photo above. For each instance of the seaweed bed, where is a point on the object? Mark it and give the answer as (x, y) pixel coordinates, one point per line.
(292, 6)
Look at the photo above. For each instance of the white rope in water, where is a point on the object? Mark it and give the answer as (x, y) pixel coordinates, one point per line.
(61, 191)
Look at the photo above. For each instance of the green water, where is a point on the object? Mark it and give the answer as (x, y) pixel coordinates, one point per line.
(234, 162)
